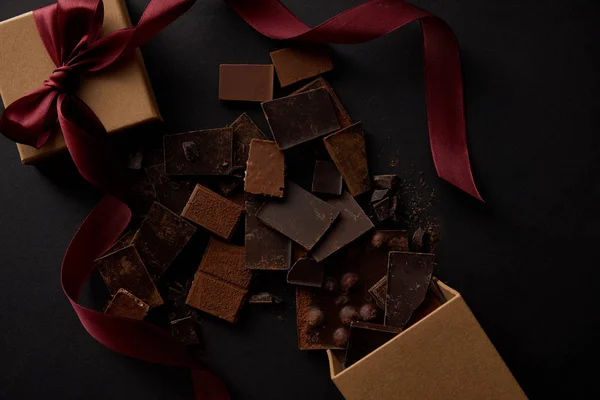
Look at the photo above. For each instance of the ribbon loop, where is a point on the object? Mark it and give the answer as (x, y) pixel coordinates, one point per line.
(64, 79)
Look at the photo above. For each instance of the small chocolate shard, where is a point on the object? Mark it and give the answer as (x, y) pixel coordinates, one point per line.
(301, 216)
(160, 239)
(184, 330)
(379, 292)
(208, 152)
(221, 283)
(265, 171)
(366, 338)
(124, 269)
(382, 209)
(298, 63)
(190, 151)
(244, 130)
(351, 224)
(420, 241)
(126, 305)
(213, 212)
(386, 181)
(409, 275)
(134, 160)
(326, 178)
(265, 298)
(301, 117)
(265, 248)
(173, 194)
(306, 272)
(348, 151)
(246, 82)
(320, 83)
(378, 195)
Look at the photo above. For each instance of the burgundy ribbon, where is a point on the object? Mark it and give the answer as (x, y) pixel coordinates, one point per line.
(376, 18)
(70, 31)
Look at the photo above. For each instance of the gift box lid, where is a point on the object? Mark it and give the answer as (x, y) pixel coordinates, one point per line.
(121, 96)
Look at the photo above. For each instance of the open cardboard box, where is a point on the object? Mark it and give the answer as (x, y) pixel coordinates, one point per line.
(446, 355)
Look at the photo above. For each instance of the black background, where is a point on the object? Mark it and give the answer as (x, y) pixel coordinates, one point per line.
(525, 261)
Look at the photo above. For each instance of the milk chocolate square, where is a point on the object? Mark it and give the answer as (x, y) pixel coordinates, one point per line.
(208, 152)
(126, 305)
(265, 172)
(295, 64)
(246, 82)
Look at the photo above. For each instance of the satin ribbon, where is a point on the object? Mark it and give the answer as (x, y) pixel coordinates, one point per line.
(70, 31)
(376, 18)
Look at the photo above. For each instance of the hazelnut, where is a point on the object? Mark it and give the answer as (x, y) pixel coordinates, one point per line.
(330, 284)
(348, 281)
(377, 240)
(315, 317)
(368, 312)
(340, 337)
(348, 314)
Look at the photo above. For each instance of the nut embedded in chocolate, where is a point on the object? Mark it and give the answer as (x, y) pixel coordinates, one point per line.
(330, 284)
(348, 315)
(190, 151)
(340, 337)
(348, 281)
(368, 312)
(315, 317)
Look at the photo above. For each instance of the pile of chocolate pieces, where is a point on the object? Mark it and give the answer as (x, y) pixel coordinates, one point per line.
(356, 286)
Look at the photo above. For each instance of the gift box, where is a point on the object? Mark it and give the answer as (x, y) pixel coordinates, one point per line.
(120, 96)
(446, 355)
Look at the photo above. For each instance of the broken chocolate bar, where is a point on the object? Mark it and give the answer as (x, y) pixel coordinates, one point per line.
(246, 82)
(301, 216)
(265, 171)
(172, 194)
(244, 130)
(379, 194)
(301, 117)
(306, 272)
(326, 178)
(366, 338)
(221, 283)
(208, 152)
(386, 181)
(298, 63)
(125, 269)
(382, 209)
(265, 248)
(213, 212)
(378, 292)
(348, 151)
(324, 314)
(342, 115)
(264, 298)
(126, 305)
(161, 237)
(409, 275)
(351, 224)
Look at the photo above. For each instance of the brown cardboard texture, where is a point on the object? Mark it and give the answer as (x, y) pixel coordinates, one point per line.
(121, 96)
(444, 356)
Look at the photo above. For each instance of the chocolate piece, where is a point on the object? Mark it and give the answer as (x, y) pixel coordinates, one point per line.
(123, 242)
(351, 224)
(184, 330)
(348, 151)
(350, 274)
(125, 269)
(208, 152)
(409, 275)
(420, 241)
(170, 193)
(382, 209)
(379, 194)
(379, 292)
(366, 338)
(306, 272)
(264, 298)
(386, 181)
(326, 178)
(265, 171)
(342, 115)
(301, 117)
(161, 238)
(265, 248)
(246, 82)
(124, 304)
(301, 216)
(213, 212)
(134, 160)
(221, 282)
(244, 130)
(431, 303)
(298, 63)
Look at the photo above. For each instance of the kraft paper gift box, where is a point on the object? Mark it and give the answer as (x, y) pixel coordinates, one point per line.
(121, 96)
(444, 356)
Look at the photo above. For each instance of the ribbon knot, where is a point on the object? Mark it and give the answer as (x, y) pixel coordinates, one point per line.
(64, 79)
